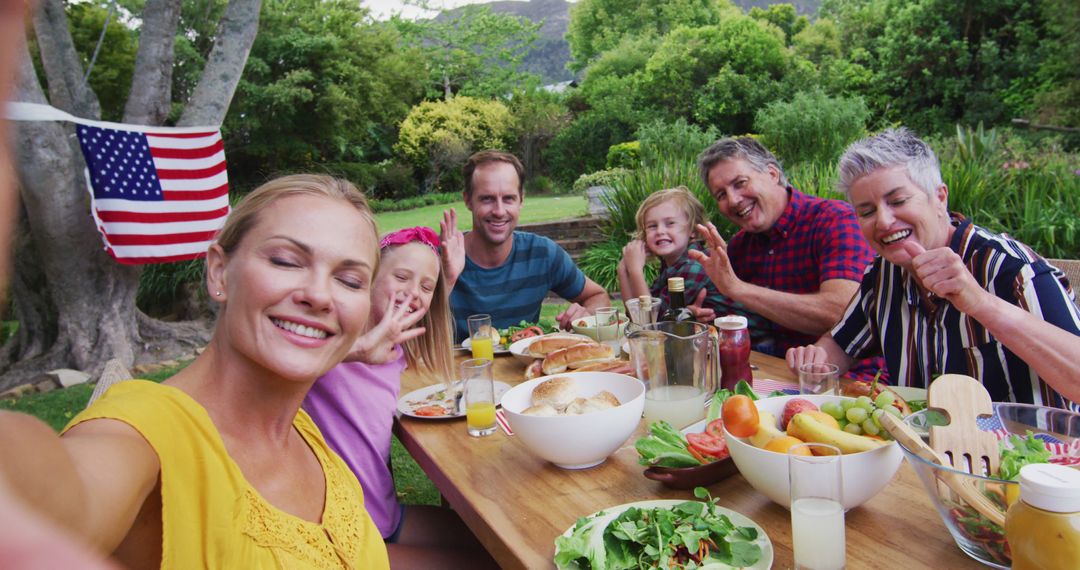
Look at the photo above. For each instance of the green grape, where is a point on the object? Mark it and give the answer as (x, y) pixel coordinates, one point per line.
(843, 422)
(884, 400)
(834, 409)
(853, 428)
(869, 428)
(876, 416)
(857, 415)
(892, 410)
(847, 404)
(865, 403)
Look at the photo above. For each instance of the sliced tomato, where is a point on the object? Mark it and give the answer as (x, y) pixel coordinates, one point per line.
(715, 428)
(527, 333)
(697, 455)
(430, 411)
(708, 444)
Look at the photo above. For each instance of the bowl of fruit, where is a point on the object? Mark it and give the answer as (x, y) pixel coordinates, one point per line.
(1027, 434)
(760, 433)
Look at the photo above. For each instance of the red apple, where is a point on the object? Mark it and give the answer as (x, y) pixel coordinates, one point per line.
(794, 406)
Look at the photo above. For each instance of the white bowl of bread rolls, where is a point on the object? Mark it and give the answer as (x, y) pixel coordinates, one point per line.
(577, 419)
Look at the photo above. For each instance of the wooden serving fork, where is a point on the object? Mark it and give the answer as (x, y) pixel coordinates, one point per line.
(961, 443)
(907, 437)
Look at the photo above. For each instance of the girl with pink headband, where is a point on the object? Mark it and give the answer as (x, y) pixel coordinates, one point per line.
(354, 403)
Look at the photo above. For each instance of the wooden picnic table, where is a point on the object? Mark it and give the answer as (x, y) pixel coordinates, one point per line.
(517, 504)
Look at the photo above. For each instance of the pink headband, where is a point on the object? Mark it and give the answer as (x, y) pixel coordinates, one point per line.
(409, 235)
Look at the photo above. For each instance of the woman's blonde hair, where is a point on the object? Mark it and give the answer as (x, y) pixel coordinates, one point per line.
(245, 215)
(432, 352)
(683, 198)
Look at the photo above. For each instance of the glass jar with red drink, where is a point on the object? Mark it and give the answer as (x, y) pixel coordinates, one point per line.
(734, 351)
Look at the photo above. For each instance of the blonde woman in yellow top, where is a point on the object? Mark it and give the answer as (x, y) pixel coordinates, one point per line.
(218, 467)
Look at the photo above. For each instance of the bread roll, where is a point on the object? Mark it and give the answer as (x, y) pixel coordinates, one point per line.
(535, 370)
(578, 407)
(541, 410)
(613, 365)
(547, 344)
(557, 392)
(575, 357)
(605, 400)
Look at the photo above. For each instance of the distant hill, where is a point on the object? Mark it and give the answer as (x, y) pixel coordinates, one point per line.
(551, 53)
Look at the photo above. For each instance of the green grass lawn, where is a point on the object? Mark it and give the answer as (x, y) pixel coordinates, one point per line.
(534, 209)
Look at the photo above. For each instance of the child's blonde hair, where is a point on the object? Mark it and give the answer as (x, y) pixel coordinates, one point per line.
(683, 198)
(432, 352)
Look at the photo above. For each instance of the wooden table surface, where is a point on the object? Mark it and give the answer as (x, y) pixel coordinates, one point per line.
(517, 504)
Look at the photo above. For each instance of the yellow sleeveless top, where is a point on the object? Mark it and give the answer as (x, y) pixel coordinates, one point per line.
(212, 517)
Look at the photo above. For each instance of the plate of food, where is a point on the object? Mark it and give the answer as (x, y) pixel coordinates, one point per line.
(503, 339)
(538, 347)
(652, 533)
(436, 402)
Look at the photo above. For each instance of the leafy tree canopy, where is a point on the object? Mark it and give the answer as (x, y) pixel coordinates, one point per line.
(597, 26)
(477, 52)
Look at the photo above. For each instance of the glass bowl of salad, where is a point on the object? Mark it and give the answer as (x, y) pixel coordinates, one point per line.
(1027, 434)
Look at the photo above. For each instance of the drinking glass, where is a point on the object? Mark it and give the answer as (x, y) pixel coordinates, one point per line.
(607, 328)
(479, 396)
(819, 378)
(483, 345)
(817, 511)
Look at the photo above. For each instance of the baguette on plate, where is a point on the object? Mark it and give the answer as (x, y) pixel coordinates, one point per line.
(576, 356)
(545, 345)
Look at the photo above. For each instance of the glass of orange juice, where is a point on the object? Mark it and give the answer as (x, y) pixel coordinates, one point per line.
(479, 396)
(481, 338)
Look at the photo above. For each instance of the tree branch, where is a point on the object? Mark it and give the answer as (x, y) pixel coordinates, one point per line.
(151, 83)
(225, 64)
(63, 68)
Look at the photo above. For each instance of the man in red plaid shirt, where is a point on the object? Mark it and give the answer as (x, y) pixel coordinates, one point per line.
(797, 260)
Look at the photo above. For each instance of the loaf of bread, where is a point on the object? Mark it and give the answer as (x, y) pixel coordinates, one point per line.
(613, 365)
(557, 392)
(576, 356)
(545, 345)
(559, 396)
(541, 410)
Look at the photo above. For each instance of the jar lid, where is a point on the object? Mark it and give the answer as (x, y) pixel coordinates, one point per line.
(730, 323)
(1050, 487)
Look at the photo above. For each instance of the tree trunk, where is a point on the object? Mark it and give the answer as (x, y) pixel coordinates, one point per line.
(75, 304)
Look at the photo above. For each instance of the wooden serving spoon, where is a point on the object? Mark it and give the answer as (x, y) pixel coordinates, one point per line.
(907, 437)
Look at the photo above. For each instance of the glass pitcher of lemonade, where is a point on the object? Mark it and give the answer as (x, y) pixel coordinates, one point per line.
(678, 362)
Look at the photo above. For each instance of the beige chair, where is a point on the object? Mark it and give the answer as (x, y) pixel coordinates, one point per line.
(114, 372)
(1071, 267)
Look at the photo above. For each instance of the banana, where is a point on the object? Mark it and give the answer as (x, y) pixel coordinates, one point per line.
(766, 430)
(817, 432)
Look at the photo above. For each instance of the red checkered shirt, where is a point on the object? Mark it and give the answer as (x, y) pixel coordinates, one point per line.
(813, 241)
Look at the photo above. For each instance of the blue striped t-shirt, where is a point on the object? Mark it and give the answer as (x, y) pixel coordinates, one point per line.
(514, 291)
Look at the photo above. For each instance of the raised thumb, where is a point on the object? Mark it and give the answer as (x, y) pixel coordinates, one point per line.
(913, 248)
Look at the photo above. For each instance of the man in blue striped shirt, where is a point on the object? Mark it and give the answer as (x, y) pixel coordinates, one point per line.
(945, 296)
(506, 273)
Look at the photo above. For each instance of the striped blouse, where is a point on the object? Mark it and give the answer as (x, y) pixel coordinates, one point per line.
(922, 338)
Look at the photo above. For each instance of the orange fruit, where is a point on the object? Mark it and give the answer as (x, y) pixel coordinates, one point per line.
(783, 444)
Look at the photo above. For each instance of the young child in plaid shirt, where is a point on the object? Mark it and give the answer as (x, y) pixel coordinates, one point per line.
(665, 226)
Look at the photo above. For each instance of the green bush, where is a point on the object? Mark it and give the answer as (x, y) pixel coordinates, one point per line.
(662, 141)
(582, 146)
(539, 185)
(812, 127)
(598, 178)
(601, 262)
(380, 205)
(624, 155)
(161, 284)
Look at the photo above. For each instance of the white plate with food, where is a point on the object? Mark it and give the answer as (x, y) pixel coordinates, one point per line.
(599, 521)
(497, 349)
(520, 349)
(435, 402)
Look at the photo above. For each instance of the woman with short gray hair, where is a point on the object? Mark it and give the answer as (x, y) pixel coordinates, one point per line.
(945, 296)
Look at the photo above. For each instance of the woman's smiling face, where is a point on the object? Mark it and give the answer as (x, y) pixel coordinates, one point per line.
(297, 287)
(892, 210)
